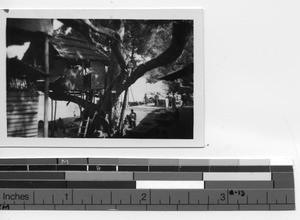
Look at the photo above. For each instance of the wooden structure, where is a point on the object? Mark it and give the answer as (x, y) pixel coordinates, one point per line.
(71, 64)
(22, 95)
(22, 99)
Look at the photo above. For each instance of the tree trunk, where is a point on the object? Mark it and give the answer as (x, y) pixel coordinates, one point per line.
(118, 77)
(181, 31)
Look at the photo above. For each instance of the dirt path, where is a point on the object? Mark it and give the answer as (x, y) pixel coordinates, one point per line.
(149, 127)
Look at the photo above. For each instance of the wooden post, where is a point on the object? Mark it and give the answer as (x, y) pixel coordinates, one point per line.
(124, 104)
(122, 111)
(55, 107)
(46, 87)
(52, 128)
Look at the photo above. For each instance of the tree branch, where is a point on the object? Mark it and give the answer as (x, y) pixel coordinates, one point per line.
(180, 34)
(72, 98)
(181, 31)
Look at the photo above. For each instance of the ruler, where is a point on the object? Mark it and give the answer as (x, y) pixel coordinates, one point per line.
(146, 184)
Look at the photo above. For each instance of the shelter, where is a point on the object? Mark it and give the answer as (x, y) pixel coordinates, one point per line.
(21, 94)
(185, 78)
(58, 62)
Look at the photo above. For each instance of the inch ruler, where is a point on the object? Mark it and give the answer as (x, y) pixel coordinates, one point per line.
(146, 184)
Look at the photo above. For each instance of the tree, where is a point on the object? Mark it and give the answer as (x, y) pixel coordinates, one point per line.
(136, 47)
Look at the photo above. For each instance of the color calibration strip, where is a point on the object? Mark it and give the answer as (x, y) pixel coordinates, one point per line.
(146, 184)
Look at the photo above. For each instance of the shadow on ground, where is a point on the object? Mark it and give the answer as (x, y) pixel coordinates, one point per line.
(164, 124)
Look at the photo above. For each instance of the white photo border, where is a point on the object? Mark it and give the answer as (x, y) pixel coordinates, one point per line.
(199, 117)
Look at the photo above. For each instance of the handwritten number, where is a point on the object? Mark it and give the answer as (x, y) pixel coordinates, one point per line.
(222, 197)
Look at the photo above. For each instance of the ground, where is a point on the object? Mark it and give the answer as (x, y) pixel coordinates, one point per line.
(152, 122)
(161, 122)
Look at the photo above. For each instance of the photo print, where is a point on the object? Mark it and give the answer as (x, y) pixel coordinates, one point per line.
(102, 77)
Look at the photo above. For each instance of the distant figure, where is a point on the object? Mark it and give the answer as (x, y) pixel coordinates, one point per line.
(184, 99)
(132, 119)
(101, 125)
(61, 128)
(146, 99)
(167, 101)
(156, 98)
(173, 102)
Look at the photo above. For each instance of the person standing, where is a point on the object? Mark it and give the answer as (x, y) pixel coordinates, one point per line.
(61, 128)
(184, 99)
(156, 98)
(146, 99)
(132, 119)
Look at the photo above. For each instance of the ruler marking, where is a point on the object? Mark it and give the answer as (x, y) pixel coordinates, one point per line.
(256, 198)
(227, 192)
(111, 197)
(72, 192)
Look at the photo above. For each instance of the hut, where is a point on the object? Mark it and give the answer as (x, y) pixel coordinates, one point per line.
(72, 66)
(21, 92)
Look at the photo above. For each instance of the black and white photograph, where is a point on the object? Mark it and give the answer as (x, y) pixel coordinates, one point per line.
(94, 78)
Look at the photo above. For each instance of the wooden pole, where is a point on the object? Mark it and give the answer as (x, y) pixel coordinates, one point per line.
(55, 107)
(46, 87)
(52, 128)
(124, 104)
